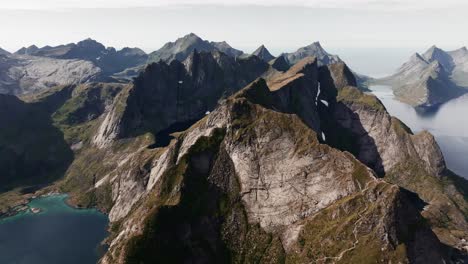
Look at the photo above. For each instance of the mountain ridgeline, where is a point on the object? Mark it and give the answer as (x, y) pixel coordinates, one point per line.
(212, 157)
(432, 78)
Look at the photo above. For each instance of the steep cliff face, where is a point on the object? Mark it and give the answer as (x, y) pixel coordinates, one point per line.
(255, 182)
(178, 93)
(414, 162)
(296, 167)
(260, 187)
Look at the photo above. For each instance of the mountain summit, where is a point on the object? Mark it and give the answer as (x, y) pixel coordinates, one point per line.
(263, 53)
(314, 49)
(432, 78)
(182, 47)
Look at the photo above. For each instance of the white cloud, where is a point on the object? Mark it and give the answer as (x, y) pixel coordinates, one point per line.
(354, 4)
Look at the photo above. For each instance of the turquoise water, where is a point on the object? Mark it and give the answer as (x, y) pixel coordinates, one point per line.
(58, 234)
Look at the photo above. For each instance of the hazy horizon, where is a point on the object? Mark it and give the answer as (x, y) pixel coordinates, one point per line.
(280, 28)
(385, 30)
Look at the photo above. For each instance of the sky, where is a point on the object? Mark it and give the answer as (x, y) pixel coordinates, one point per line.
(392, 28)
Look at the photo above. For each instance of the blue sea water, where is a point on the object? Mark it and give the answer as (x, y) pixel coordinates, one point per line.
(59, 234)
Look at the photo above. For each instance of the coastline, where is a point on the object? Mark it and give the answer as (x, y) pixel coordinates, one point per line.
(22, 205)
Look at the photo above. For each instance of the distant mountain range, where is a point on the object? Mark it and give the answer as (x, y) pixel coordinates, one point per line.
(108, 59)
(32, 69)
(432, 78)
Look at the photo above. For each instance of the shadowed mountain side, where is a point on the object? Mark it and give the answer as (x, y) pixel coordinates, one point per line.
(251, 184)
(32, 150)
(166, 94)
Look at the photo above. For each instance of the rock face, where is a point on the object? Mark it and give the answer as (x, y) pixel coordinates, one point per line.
(183, 47)
(191, 88)
(28, 74)
(253, 178)
(413, 162)
(216, 159)
(33, 69)
(109, 60)
(4, 52)
(263, 53)
(432, 78)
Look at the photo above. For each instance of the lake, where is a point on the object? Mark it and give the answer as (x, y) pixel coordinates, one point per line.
(57, 234)
(448, 123)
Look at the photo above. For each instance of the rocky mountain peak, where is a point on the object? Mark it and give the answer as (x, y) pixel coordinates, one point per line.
(436, 54)
(4, 52)
(263, 53)
(224, 47)
(90, 44)
(280, 63)
(417, 57)
(314, 49)
(27, 50)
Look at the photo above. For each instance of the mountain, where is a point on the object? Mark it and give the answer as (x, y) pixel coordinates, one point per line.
(432, 78)
(184, 46)
(108, 59)
(259, 177)
(27, 51)
(190, 88)
(4, 52)
(263, 53)
(280, 63)
(33, 69)
(226, 48)
(324, 58)
(22, 74)
(314, 49)
(216, 159)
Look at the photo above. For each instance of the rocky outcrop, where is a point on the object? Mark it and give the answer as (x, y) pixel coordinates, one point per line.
(263, 53)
